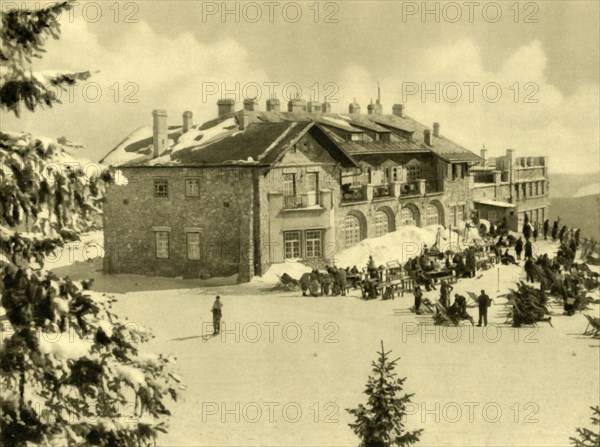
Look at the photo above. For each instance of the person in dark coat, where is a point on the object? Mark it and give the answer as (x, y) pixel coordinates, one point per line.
(483, 302)
(528, 250)
(527, 230)
(342, 281)
(217, 315)
(535, 233)
(459, 309)
(546, 228)
(530, 270)
(471, 262)
(418, 298)
(555, 230)
(562, 232)
(519, 248)
(492, 229)
(576, 236)
(508, 259)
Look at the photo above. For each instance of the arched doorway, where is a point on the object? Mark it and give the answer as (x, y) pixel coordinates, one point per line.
(432, 215)
(409, 215)
(381, 223)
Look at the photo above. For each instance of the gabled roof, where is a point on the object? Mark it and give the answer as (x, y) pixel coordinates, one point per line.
(267, 135)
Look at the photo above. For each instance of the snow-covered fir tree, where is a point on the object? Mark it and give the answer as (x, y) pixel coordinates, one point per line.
(381, 423)
(71, 372)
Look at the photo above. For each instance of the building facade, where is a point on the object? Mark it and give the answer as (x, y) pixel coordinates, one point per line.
(509, 188)
(251, 188)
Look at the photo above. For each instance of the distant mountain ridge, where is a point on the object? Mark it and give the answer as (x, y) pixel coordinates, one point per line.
(570, 185)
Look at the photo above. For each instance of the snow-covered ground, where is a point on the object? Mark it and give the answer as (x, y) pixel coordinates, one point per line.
(286, 367)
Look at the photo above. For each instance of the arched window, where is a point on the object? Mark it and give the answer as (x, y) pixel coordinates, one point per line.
(381, 223)
(432, 215)
(352, 230)
(407, 217)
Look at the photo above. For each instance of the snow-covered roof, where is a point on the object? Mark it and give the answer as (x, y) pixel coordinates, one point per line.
(260, 136)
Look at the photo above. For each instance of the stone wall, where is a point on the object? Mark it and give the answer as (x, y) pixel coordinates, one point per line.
(222, 214)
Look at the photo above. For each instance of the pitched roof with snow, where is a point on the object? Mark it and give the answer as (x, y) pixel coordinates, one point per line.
(267, 135)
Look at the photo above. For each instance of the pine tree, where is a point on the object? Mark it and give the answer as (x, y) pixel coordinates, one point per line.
(586, 437)
(23, 34)
(71, 372)
(381, 422)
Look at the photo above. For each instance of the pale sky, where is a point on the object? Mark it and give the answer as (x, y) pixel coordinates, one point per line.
(532, 72)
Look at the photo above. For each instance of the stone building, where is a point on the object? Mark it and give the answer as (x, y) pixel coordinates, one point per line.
(511, 188)
(250, 187)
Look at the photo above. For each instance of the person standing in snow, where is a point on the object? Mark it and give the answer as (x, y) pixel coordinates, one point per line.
(528, 250)
(217, 314)
(418, 297)
(342, 281)
(483, 302)
(530, 270)
(519, 248)
(535, 233)
(546, 228)
(554, 230)
(527, 229)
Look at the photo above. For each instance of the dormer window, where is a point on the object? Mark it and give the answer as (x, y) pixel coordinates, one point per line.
(356, 137)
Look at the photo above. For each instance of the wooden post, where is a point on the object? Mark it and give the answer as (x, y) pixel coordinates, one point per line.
(498, 280)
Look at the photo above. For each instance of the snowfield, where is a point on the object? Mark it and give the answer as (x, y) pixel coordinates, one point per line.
(286, 367)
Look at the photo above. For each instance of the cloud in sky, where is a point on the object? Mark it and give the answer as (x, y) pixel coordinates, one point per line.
(167, 71)
(563, 127)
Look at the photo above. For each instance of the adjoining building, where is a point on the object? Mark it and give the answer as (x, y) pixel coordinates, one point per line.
(251, 188)
(508, 188)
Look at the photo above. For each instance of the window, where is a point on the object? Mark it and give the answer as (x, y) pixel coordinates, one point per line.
(193, 246)
(543, 187)
(291, 244)
(289, 185)
(463, 213)
(413, 172)
(431, 215)
(408, 217)
(312, 178)
(530, 189)
(192, 188)
(313, 243)
(351, 230)
(537, 188)
(162, 244)
(382, 223)
(161, 188)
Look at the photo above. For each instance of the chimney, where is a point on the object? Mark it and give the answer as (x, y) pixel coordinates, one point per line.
(187, 120)
(250, 104)
(371, 108)
(427, 137)
(225, 106)
(273, 105)
(326, 107)
(354, 108)
(436, 130)
(483, 153)
(398, 110)
(510, 153)
(314, 107)
(297, 105)
(160, 132)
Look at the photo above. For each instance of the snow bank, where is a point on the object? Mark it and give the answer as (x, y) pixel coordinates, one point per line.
(294, 268)
(401, 245)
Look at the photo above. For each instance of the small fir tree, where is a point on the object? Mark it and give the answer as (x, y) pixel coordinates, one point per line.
(586, 437)
(382, 422)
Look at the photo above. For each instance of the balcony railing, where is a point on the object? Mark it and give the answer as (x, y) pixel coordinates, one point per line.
(382, 191)
(353, 194)
(301, 201)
